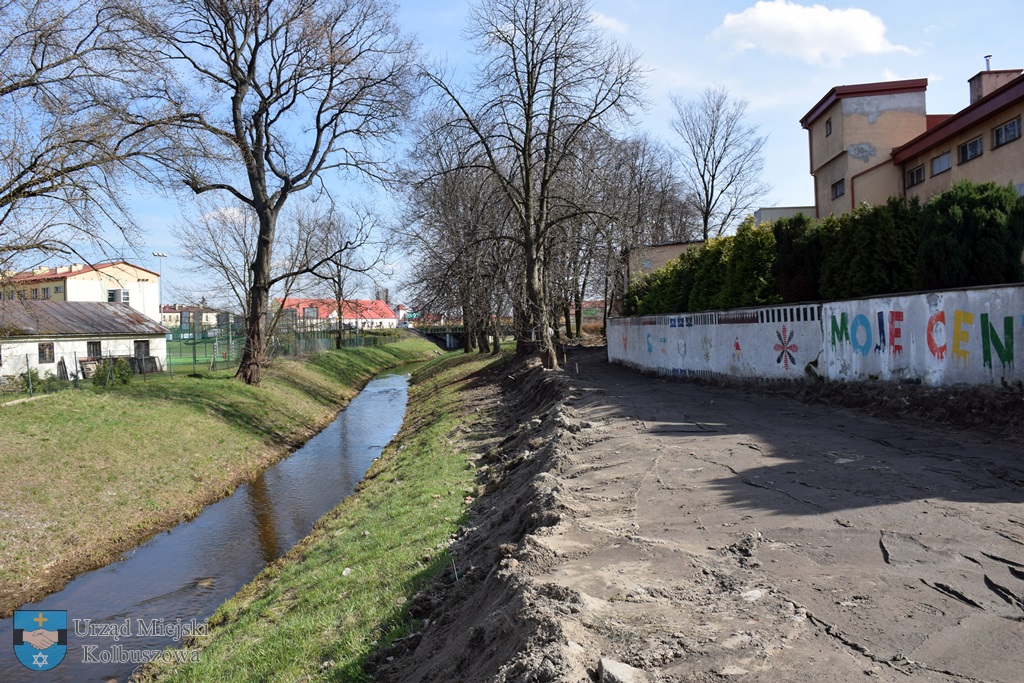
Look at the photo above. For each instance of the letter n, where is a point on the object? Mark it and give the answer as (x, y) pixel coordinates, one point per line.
(990, 340)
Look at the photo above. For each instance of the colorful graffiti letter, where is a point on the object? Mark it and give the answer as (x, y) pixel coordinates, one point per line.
(961, 336)
(895, 317)
(861, 322)
(937, 350)
(990, 340)
(841, 331)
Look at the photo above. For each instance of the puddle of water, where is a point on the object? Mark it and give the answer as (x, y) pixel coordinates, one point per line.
(181, 576)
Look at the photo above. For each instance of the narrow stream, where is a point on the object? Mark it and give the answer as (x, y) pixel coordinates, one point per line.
(181, 576)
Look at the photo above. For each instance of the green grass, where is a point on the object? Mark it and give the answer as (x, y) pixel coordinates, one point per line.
(89, 473)
(318, 612)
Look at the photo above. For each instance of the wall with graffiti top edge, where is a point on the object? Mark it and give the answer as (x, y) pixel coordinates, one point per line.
(943, 338)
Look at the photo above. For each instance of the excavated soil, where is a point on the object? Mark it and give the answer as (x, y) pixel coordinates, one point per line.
(641, 529)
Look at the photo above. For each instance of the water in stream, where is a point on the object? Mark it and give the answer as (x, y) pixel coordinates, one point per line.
(183, 575)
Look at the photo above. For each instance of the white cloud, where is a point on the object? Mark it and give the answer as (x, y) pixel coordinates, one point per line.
(814, 34)
(609, 23)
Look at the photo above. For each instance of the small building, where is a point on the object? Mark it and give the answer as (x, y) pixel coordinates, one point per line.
(355, 313)
(114, 282)
(182, 315)
(58, 337)
(773, 213)
(644, 260)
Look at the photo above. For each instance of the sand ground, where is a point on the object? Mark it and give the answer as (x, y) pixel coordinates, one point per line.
(641, 529)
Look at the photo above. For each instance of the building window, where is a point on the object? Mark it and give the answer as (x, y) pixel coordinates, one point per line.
(915, 176)
(35, 293)
(117, 296)
(142, 348)
(57, 289)
(309, 312)
(46, 352)
(971, 149)
(93, 349)
(838, 188)
(828, 127)
(22, 294)
(45, 293)
(942, 163)
(1007, 132)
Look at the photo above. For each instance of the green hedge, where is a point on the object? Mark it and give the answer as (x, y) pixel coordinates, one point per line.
(972, 234)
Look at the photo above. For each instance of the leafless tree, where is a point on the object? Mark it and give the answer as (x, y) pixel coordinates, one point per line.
(79, 105)
(721, 158)
(349, 247)
(286, 92)
(547, 78)
(458, 222)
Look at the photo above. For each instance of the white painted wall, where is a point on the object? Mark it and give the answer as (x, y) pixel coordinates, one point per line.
(946, 338)
(956, 337)
(15, 355)
(773, 342)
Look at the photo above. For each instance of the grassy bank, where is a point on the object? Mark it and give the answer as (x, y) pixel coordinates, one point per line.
(320, 610)
(87, 474)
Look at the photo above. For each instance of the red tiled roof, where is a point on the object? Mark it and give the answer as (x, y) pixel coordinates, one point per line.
(351, 309)
(51, 274)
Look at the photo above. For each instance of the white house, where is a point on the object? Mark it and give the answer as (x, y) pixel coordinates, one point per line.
(56, 337)
(116, 282)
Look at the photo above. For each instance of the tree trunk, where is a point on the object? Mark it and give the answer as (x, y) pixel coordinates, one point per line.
(536, 308)
(250, 367)
(496, 348)
(579, 315)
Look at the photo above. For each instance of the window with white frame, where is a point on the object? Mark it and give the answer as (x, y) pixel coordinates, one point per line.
(44, 293)
(45, 352)
(970, 149)
(942, 163)
(1008, 132)
(915, 176)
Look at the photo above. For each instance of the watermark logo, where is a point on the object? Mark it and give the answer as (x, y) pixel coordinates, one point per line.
(40, 638)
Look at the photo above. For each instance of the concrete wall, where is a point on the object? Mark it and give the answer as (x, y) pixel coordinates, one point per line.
(944, 338)
(774, 342)
(956, 337)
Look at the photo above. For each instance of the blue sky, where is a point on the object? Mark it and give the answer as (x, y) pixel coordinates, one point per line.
(781, 56)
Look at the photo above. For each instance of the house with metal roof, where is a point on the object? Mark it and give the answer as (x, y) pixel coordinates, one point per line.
(873, 141)
(63, 337)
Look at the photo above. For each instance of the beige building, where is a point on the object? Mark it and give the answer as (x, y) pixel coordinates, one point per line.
(643, 261)
(873, 141)
(116, 282)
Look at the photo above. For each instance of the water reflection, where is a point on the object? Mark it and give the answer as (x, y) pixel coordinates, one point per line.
(185, 573)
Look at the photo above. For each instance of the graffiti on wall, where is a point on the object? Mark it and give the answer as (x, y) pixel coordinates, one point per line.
(884, 334)
(785, 348)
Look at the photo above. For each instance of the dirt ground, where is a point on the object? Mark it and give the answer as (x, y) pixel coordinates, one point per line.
(642, 529)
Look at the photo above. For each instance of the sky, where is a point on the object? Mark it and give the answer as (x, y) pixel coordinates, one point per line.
(780, 56)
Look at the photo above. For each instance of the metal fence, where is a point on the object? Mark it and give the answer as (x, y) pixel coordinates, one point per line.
(218, 347)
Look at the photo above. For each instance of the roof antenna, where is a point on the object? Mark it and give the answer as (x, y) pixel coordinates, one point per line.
(988, 63)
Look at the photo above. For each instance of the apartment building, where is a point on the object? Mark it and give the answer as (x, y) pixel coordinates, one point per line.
(873, 141)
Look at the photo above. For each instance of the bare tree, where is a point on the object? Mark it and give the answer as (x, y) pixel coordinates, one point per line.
(348, 247)
(79, 104)
(548, 78)
(721, 158)
(286, 92)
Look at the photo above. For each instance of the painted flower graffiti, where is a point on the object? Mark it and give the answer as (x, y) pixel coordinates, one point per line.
(785, 347)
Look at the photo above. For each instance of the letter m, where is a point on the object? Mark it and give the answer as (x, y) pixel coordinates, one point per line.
(841, 331)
